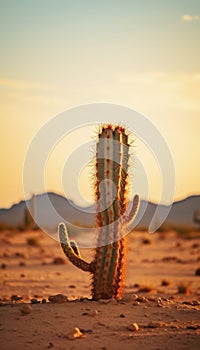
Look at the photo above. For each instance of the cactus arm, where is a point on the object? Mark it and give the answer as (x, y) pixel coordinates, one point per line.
(71, 250)
(128, 219)
(75, 248)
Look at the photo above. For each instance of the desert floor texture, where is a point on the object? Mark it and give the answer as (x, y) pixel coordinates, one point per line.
(44, 299)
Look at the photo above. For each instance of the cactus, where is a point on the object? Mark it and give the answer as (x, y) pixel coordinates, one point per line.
(111, 187)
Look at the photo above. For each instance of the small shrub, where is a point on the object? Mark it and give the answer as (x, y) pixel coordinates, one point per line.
(184, 287)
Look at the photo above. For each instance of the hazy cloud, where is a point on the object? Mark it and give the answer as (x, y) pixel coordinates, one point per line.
(26, 91)
(158, 89)
(22, 85)
(39, 99)
(189, 18)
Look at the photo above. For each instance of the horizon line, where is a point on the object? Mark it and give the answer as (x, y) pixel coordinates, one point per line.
(179, 199)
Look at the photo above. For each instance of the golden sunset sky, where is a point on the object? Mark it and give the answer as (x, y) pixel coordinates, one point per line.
(55, 55)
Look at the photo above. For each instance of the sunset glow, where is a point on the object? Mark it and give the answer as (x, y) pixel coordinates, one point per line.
(59, 54)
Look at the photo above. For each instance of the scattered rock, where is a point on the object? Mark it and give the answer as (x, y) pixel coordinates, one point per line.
(193, 326)
(156, 324)
(93, 313)
(44, 301)
(16, 297)
(197, 272)
(72, 286)
(35, 301)
(152, 298)
(86, 330)
(74, 334)
(99, 323)
(133, 327)
(107, 301)
(142, 300)
(136, 303)
(192, 302)
(25, 309)
(84, 300)
(58, 298)
(122, 316)
(130, 297)
(51, 345)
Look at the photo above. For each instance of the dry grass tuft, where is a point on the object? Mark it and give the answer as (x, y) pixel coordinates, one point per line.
(184, 287)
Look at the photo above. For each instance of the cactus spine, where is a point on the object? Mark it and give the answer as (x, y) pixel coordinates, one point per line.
(111, 183)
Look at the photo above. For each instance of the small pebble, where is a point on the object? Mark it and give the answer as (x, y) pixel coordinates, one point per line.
(25, 309)
(16, 297)
(58, 298)
(106, 301)
(44, 301)
(51, 345)
(142, 300)
(86, 330)
(93, 313)
(35, 301)
(130, 297)
(84, 300)
(74, 334)
(156, 324)
(133, 327)
(152, 298)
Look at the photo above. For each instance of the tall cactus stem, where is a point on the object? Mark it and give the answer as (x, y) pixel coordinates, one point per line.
(111, 184)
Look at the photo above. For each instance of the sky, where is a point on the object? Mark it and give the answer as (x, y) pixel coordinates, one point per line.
(56, 55)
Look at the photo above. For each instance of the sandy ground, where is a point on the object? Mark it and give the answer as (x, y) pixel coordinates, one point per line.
(160, 266)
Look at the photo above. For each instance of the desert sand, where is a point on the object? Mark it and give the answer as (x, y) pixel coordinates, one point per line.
(160, 308)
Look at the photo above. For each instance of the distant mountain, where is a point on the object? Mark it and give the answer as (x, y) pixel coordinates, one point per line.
(180, 214)
(51, 208)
